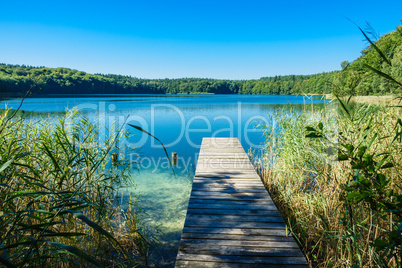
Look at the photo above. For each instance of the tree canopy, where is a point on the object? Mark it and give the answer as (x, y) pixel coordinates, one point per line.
(353, 79)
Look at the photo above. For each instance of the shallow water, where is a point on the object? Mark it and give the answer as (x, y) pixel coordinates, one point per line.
(162, 205)
(180, 122)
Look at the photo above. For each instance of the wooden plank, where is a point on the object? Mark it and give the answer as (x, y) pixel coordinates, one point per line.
(243, 259)
(225, 182)
(207, 175)
(234, 167)
(213, 149)
(234, 198)
(238, 156)
(212, 237)
(234, 171)
(225, 179)
(234, 224)
(204, 264)
(245, 194)
(222, 145)
(229, 175)
(228, 186)
(244, 212)
(231, 220)
(219, 197)
(276, 250)
(209, 179)
(234, 206)
(248, 175)
(272, 244)
(218, 167)
(215, 161)
(236, 231)
(223, 160)
(219, 156)
(237, 194)
(231, 202)
(237, 190)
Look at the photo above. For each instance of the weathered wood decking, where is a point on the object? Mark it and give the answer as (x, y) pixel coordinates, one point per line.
(231, 220)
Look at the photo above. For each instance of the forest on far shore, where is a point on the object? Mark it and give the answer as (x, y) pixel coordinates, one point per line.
(354, 78)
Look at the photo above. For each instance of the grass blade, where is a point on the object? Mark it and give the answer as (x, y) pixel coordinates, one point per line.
(91, 224)
(344, 107)
(6, 164)
(381, 73)
(375, 47)
(77, 252)
(64, 234)
(167, 155)
(56, 165)
(98, 228)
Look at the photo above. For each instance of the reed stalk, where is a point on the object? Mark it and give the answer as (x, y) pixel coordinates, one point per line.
(59, 196)
(309, 183)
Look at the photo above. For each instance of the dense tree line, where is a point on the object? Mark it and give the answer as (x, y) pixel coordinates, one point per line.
(354, 78)
(19, 78)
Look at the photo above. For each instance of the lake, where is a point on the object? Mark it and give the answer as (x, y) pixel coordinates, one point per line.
(180, 122)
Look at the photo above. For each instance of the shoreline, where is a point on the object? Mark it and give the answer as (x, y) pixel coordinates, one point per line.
(387, 99)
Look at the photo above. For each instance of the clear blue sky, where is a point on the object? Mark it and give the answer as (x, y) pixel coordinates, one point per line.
(172, 39)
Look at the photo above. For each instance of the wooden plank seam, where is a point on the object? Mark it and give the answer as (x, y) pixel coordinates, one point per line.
(231, 220)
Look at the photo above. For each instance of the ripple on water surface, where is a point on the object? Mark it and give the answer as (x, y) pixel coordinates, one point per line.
(162, 206)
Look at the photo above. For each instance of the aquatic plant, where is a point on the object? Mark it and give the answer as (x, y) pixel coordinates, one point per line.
(336, 175)
(59, 201)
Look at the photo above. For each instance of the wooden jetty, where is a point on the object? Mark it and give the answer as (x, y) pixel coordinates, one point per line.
(231, 220)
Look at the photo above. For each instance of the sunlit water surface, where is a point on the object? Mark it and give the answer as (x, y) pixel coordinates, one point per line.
(180, 122)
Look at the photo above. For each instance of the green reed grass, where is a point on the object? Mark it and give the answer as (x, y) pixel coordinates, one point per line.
(309, 185)
(336, 174)
(59, 203)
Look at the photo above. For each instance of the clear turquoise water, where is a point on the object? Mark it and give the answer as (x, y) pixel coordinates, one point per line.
(180, 122)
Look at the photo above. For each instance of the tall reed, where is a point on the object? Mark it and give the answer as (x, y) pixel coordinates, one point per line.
(310, 185)
(59, 202)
